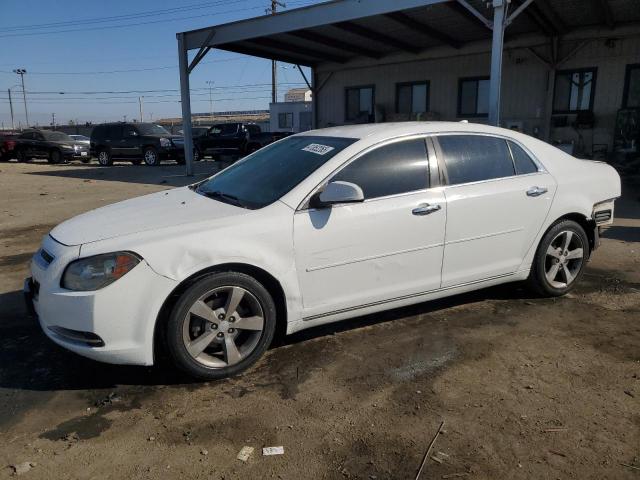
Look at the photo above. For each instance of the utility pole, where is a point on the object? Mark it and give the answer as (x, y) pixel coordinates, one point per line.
(21, 72)
(53, 120)
(210, 83)
(274, 67)
(13, 127)
(140, 105)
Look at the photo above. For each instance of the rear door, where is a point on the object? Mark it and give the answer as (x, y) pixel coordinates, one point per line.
(387, 247)
(131, 141)
(40, 145)
(497, 199)
(114, 140)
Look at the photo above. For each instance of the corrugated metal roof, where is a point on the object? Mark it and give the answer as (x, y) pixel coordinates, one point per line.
(377, 29)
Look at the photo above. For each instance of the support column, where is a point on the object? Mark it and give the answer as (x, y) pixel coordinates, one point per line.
(495, 82)
(314, 98)
(185, 98)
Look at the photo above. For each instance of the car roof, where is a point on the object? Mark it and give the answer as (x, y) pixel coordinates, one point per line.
(395, 129)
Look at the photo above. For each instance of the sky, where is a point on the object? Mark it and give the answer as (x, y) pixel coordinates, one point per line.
(77, 52)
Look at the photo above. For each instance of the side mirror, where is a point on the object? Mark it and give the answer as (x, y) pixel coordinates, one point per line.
(338, 192)
(133, 133)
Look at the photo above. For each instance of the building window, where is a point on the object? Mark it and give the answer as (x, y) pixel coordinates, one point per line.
(412, 97)
(306, 121)
(631, 97)
(359, 103)
(574, 90)
(473, 97)
(285, 120)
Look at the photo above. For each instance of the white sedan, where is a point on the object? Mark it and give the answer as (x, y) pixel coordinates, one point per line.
(315, 228)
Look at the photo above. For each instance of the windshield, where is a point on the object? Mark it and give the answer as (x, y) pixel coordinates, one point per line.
(265, 176)
(56, 136)
(151, 129)
(79, 137)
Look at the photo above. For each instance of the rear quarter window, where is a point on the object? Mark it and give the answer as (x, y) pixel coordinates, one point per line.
(521, 159)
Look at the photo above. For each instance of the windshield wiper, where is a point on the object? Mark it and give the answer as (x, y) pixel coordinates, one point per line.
(225, 197)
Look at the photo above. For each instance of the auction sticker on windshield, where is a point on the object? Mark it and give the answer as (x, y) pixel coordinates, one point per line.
(318, 148)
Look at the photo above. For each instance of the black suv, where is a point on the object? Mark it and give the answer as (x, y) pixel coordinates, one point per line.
(56, 147)
(135, 142)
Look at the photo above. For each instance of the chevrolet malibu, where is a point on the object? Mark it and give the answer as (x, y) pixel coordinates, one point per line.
(315, 228)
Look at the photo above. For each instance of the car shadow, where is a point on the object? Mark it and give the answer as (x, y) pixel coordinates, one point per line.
(170, 174)
(30, 361)
(623, 233)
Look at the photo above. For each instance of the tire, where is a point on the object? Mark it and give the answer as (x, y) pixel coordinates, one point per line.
(136, 161)
(21, 155)
(104, 158)
(227, 347)
(553, 272)
(151, 157)
(55, 157)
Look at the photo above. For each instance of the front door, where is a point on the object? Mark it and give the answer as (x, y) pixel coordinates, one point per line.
(387, 247)
(497, 200)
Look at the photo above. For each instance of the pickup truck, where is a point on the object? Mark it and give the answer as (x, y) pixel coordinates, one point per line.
(56, 147)
(7, 145)
(234, 139)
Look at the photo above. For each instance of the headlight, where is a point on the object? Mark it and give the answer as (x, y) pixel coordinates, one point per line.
(165, 142)
(67, 146)
(94, 273)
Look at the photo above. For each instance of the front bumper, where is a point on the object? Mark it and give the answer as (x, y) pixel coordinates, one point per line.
(114, 324)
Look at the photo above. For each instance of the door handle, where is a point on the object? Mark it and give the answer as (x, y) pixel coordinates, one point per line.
(425, 209)
(536, 191)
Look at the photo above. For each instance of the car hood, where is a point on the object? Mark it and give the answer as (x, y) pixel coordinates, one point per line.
(142, 214)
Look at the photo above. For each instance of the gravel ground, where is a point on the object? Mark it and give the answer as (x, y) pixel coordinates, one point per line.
(527, 387)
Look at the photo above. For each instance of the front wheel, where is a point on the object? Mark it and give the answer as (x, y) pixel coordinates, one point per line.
(104, 158)
(221, 325)
(55, 156)
(151, 157)
(21, 155)
(560, 259)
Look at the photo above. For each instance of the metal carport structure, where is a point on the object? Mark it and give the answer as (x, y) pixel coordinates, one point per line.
(339, 31)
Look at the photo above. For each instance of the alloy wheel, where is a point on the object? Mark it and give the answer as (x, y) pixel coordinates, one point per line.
(103, 158)
(564, 259)
(223, 326)
(150, 157)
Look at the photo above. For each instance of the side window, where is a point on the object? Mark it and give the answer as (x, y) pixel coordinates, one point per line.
(38, 136)
(522, 160)
(389, 170)
(26, 136)
(473, 158)
(228, 129)
(129, 131)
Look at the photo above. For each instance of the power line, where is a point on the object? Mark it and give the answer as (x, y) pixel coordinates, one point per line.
(131, 70)
(137, 24)
(150, 13)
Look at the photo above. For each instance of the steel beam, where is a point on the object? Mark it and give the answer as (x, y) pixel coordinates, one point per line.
(257, 51)
(424, 29)
(301, 18)
(468, 11)
(495, 82)
(185, 98)
(375, 36)
(604, 10)
(333, 43)
(294, 49)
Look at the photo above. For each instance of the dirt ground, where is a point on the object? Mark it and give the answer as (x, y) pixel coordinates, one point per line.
(528, 388)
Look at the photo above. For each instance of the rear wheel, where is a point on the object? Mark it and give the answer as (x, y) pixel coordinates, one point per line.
(104, 158)
(151, 157)
(221, 325)
(560, 259)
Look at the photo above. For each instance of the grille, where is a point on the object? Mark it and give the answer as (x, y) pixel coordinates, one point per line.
(602, 216)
